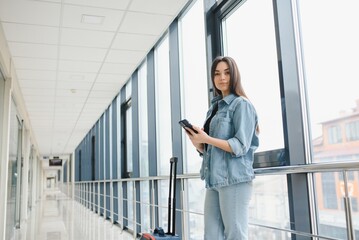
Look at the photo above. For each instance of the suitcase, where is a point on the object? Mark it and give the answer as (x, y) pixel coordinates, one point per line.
(158, 233)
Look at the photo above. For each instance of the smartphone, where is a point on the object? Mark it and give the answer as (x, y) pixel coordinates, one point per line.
(184, 123)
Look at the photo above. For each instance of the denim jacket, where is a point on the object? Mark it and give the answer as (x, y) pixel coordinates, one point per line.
(235, 121)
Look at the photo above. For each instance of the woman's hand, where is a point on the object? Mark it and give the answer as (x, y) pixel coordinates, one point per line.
(201, 138)
(197, 138)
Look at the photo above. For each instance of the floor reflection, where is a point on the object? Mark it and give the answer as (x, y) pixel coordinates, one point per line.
(57, 217)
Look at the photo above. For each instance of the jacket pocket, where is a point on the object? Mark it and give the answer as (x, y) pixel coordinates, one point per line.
(224, 129)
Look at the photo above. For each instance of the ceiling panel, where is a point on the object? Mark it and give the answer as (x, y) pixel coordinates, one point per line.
(31, 33)
(107, 86)
(130, 41)
(125, 56)
(71, 100)
(74, 85)
(75, 17)
(86, 38)
(68, 93)
(76, 76)
(106, 77)
(36, 75)
(35, 63)
(33, 50)
(39, 99)
(38, 92)
(30, 12)
(110, 4)
(117, 68)
(166, 7)
(40, 106)
(82, 53)
(79, 66)
(36, 84)
(145, 23)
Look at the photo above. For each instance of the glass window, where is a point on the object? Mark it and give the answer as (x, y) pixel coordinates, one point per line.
(194, 89)
(163, 203)
(14, 174)
(250, 40)
(354, 202)
(269, 206)
(329, 190)
(118, 191)
(330, 50)
(163, 107)
(329, 201)
(334, 135)
(194, 105)
(330, 53)
(128, 128)
(143, 147)
(130, 206)
(350, 176)
(143, 119)
(196, 192)
(352, 131)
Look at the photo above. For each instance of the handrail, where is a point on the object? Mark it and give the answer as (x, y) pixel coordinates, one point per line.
(305, 168)
(309, 168)
(280, 170)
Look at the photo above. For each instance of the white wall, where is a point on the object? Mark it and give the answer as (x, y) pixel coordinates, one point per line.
(12, 90)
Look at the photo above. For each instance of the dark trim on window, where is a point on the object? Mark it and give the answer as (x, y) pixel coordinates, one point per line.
(175, 95)
(135, 124)
(93, 159)
(124, 107)
(151, 110)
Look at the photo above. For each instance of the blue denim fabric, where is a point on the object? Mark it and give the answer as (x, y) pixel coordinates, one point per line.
(226, 212)
(235, 121)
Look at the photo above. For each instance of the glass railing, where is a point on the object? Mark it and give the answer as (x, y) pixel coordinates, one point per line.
(334, 214)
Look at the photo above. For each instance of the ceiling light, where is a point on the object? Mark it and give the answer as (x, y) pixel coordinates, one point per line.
(92, 19)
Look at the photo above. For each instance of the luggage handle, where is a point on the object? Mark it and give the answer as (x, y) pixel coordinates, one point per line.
(172, 201)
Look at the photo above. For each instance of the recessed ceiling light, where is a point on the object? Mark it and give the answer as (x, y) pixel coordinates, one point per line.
(92, 19)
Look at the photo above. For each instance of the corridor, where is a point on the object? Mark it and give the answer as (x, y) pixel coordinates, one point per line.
(57, 217)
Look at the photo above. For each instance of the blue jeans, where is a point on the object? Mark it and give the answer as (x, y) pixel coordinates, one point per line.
(226, 212)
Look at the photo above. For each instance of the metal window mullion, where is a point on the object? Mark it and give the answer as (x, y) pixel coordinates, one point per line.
(98, 198)
(295, 119)
(152, 201)
(184, 206)
(348, 209)
(134, 209)
(111, 159)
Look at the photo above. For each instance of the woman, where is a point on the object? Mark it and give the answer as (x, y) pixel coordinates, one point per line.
(227, 143)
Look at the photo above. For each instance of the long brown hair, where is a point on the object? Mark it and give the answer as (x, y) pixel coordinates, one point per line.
(235, 77)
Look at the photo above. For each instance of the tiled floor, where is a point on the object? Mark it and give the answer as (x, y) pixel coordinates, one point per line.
(57, 217)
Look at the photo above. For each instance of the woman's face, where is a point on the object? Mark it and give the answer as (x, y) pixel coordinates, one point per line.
(222, 78)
